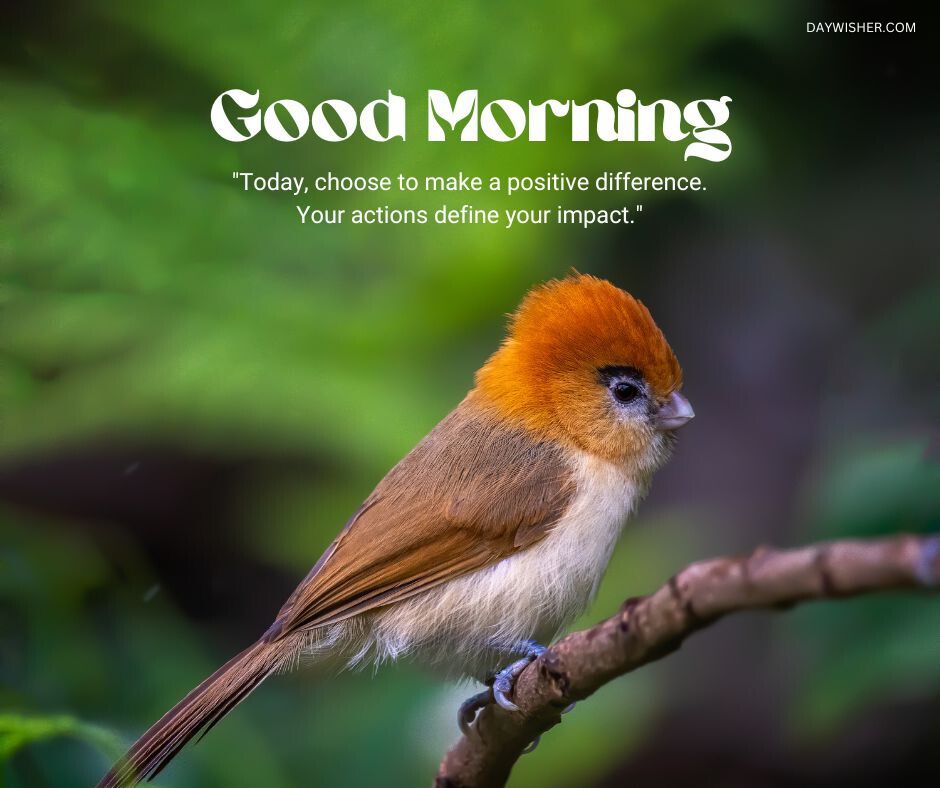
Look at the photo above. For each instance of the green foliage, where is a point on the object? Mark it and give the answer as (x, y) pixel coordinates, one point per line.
(869, 650)
(18, 731)
(133, 264)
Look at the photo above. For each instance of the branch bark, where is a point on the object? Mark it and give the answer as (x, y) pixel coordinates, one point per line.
(650, 627)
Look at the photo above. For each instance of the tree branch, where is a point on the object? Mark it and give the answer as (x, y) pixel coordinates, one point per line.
(650, 627)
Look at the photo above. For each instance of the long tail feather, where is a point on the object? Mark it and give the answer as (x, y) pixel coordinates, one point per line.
(195, 714)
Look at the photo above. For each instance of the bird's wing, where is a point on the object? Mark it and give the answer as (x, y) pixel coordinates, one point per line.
(470, 494)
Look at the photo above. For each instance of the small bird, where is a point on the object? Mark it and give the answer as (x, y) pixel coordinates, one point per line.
(493, 533)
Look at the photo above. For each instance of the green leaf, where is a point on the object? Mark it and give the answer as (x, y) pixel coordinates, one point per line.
(19, 730)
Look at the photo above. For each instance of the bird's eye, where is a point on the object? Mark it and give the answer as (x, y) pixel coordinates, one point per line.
(625, 392)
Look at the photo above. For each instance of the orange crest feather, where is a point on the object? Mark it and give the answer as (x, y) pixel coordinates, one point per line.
(561, 334)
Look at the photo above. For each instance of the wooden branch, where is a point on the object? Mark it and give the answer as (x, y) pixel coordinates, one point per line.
(650, 627)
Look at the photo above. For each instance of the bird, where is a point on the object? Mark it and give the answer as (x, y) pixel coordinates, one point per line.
(494, 532)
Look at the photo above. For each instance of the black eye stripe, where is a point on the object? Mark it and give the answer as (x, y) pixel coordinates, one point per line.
(613, 372)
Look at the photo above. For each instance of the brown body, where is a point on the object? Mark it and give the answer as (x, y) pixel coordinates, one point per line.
(471, 493)
(496, 528)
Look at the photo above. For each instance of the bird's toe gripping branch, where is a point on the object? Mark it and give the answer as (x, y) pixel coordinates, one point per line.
(505, 680)
(467, 712)
(501, 688)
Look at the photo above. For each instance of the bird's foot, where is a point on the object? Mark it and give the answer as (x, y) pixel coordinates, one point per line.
(467, 712)
(505, 680)
(501, 686)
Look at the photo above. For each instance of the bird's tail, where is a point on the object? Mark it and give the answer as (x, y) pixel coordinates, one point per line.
(196, 713)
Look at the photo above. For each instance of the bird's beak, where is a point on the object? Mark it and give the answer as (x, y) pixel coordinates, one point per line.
(675, 412)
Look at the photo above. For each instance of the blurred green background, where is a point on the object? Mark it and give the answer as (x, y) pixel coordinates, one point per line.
(196, 390)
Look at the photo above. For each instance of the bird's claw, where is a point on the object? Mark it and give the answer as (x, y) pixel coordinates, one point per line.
(467, 712)
(505, 680)
(501, 687)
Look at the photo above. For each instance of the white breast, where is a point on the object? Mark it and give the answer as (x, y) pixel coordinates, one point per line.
(467, 624)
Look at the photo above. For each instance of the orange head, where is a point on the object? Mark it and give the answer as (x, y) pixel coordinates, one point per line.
(584, 364)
